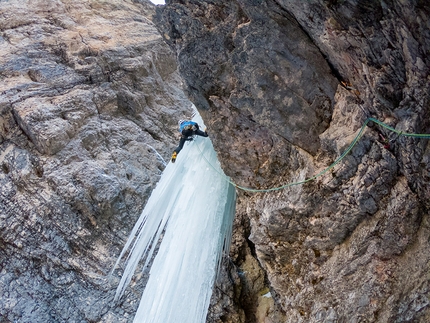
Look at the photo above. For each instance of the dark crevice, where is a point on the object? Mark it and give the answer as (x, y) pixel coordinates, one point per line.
(153, 134)
(5, 168)
(289, 15)
(251, 246)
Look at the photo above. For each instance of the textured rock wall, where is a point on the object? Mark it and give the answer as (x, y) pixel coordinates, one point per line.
(89, 100)
(284, 87)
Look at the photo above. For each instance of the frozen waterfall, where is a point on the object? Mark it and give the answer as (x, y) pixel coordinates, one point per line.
(193, 208)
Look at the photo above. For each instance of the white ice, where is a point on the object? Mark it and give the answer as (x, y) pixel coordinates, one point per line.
(194, 203)
(158, 1)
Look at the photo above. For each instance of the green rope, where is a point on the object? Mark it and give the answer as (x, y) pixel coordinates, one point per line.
(337, 161)
(400, 133)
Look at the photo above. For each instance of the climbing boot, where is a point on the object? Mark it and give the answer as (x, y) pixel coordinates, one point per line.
(174, 156)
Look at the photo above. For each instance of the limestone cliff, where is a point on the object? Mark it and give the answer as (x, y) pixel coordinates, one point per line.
(89, 100)
(284, 86)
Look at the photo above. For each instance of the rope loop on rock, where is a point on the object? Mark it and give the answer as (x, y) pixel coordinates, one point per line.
(337, 161)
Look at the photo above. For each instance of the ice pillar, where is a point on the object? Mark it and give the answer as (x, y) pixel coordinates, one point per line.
(194, 205)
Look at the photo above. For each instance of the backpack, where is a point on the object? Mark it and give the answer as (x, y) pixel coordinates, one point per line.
(187, 125)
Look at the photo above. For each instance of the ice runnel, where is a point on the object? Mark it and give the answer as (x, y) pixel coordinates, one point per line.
(194, 205)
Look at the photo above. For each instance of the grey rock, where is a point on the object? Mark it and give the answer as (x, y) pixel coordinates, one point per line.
(89, 103)
(284, 87)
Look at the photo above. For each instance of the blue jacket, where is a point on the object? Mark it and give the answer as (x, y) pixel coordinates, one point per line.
(190, 124)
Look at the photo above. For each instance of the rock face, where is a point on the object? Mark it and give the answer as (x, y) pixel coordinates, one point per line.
(284, 86)
(89, 102)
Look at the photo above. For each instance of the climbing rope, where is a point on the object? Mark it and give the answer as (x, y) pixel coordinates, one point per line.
(337, 161)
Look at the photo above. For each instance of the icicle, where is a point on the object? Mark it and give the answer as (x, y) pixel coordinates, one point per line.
(157, 154)
(194, 205)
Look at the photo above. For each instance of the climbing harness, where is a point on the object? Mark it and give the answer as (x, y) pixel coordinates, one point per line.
(337, 161)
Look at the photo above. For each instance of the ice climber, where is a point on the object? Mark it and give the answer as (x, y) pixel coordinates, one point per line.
(188, 130)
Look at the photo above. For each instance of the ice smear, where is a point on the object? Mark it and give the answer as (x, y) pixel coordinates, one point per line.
(195, 205)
